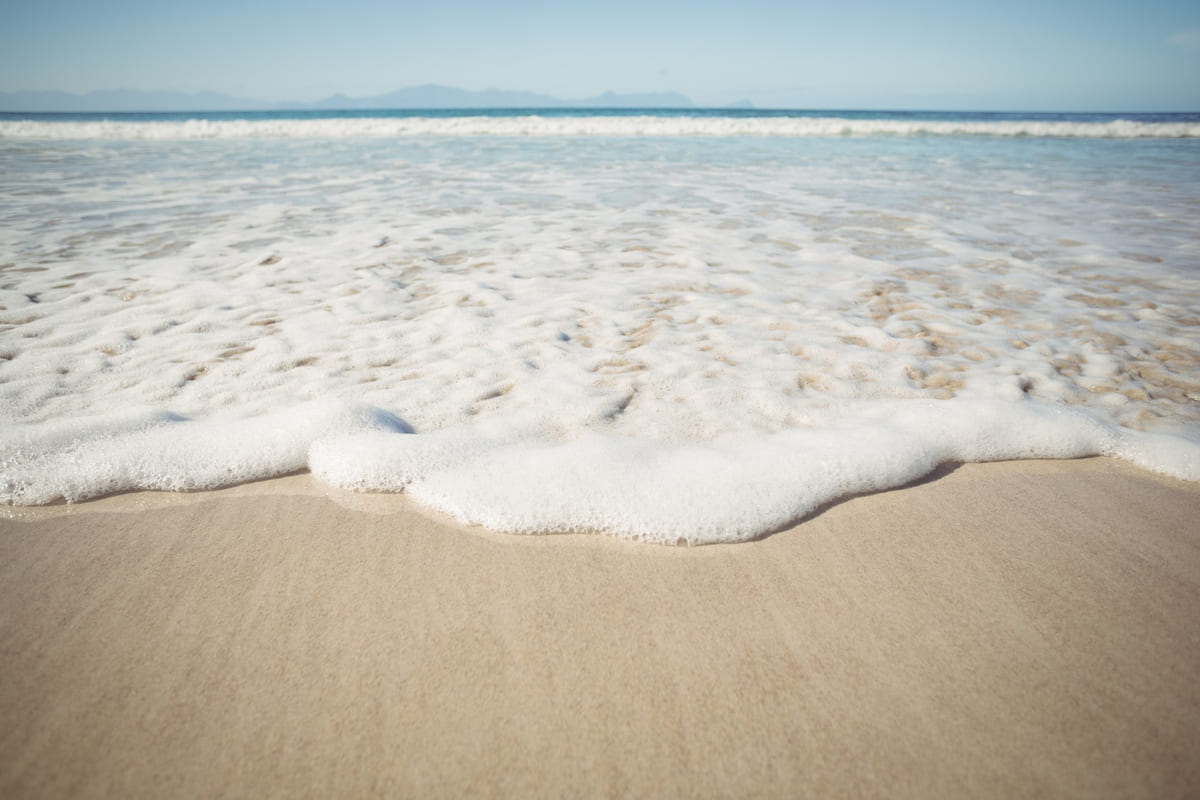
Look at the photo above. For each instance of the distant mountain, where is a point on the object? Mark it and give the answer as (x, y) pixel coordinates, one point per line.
(434, 96)
(643, 100)
(430, 96)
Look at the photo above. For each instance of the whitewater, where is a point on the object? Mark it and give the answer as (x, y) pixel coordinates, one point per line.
(275, 126)
(665, 326)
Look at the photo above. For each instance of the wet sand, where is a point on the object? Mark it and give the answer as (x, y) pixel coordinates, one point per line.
(1017, 629)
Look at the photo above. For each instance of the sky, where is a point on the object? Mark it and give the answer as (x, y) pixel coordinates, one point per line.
(1067, 55)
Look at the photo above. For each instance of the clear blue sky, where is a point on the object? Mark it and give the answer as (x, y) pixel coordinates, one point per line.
(1020, 54)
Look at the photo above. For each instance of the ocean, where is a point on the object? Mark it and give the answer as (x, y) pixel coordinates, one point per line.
(674, 326)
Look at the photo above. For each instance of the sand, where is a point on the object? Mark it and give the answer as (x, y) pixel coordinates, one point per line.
(1023, 629)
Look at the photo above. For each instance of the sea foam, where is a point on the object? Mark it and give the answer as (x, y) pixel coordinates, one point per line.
(731, 488)
(728, 489)
(149, 449)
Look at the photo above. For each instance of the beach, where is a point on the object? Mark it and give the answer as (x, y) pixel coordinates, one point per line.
(589, 452)
(1008, 629)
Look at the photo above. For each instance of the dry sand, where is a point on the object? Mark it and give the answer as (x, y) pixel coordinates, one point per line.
(1028, 629)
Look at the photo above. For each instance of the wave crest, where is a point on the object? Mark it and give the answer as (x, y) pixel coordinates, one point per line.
(615, 126)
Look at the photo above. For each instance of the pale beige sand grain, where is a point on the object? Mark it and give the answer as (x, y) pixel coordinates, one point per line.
(1011, 630)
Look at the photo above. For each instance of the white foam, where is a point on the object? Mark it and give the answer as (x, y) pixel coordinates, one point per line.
(731, 488)
(1177, 456)
(556, 126)
(728, 489)
(77, 459)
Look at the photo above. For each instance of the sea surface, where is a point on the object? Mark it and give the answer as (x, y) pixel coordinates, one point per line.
(677, 326)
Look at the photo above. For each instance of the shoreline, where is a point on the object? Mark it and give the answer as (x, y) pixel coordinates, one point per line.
(1001, 629)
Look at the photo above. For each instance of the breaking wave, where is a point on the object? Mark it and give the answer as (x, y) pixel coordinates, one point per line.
(604, 126)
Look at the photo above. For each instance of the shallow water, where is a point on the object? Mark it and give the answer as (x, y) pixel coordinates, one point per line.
(665, 336)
